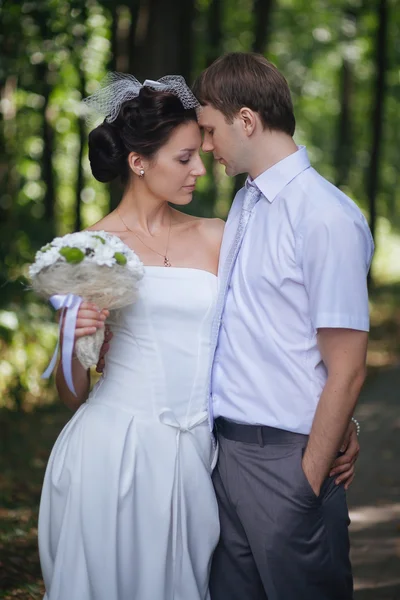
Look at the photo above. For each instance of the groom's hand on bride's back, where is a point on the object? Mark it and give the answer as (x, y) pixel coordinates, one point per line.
(104, 349)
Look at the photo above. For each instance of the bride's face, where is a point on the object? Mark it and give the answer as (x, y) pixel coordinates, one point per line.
(173, 173)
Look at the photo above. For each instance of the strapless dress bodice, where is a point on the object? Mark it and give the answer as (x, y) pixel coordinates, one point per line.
(160, 351)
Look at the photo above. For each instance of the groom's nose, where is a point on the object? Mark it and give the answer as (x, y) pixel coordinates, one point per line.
(207, 145)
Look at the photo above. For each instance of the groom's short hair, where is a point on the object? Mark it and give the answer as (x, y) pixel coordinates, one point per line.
(241, 79)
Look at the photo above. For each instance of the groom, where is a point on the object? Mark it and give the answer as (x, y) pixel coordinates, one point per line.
(291, 346)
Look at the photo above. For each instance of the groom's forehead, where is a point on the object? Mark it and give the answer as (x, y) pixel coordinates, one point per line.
(206, 122)
(206, 116)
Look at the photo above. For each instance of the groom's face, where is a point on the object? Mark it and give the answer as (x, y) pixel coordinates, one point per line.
(221, 138)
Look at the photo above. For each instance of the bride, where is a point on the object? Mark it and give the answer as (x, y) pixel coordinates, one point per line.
(128, 509)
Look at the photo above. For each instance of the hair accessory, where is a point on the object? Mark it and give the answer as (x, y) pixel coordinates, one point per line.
(117, 88)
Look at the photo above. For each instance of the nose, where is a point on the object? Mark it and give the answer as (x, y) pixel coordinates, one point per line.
(199, 168)
(207, 145)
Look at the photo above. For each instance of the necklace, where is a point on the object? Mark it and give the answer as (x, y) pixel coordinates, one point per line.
(167, 262)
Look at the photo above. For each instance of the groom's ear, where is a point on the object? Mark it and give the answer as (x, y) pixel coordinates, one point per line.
(248, 119)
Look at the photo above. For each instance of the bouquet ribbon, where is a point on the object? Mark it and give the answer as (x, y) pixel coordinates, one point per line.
(69, 305)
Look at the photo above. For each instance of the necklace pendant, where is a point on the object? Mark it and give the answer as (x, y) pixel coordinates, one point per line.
(167, 262)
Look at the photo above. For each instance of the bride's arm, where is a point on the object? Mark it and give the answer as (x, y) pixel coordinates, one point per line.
(89, 319)
(81, 379)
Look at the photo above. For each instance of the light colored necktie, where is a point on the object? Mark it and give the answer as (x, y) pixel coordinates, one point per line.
(251, 198)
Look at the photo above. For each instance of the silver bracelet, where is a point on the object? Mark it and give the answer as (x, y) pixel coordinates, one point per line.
(358, 426)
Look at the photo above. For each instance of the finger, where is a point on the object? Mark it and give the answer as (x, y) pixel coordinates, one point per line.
(87, 323)
(352, 451)
(341, 460)
(340, 469)
(345, 444)
(348, 483)
(345, 476)
(91, 314)
(83, 325)
(81, 332)
(351, 454)
(349, 457)
(89, 305)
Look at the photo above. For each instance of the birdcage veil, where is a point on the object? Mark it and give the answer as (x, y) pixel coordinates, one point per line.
(117, 88)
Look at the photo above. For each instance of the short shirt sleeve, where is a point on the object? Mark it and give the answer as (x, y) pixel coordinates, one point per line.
(336, 257)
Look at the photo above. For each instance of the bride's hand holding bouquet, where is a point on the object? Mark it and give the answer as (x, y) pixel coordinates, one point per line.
(85, 275)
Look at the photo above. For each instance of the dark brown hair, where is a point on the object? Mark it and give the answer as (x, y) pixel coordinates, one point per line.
(241, 79)
(143, 125)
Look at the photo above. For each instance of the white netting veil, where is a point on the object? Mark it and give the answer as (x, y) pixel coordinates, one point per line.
(117, 88)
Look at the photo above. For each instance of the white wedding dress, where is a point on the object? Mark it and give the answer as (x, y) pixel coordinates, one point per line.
(128, 510)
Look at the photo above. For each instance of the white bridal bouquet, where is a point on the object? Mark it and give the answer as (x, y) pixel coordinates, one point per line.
(89, 265)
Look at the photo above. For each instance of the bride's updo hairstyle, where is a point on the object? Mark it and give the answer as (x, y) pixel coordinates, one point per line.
(143, 125)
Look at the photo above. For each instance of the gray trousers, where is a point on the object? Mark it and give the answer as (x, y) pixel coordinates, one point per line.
(279, 541)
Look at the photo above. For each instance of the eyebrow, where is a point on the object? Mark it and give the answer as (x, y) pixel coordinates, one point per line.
(188, 150)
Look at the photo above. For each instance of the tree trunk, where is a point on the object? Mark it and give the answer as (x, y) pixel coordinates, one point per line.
(378, 111)
(47, 163)
(344, 139)
(42, 17)
(160, 51)
(79, 44)
(114, 187)
(186, 38)
(262, 11)
(134, 9)
(344, 131)
(114, 37)
(79, 177)
(8, 135)
(214, 28)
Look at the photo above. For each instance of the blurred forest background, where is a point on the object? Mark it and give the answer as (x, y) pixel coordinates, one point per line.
(342, 61)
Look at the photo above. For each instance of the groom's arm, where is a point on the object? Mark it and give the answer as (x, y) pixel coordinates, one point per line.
(343, 352)
(335, 252)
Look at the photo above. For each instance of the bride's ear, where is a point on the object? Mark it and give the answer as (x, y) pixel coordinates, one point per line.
(136, 165)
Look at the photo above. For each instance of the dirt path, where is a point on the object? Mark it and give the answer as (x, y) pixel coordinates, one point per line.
(374, 498)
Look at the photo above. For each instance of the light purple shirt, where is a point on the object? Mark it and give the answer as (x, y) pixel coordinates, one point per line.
(302, 265)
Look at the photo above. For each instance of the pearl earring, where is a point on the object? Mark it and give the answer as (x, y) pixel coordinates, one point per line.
(141, 173)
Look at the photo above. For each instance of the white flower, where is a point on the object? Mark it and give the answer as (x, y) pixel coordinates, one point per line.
(43, 260)
(98, 248)
(104, 256)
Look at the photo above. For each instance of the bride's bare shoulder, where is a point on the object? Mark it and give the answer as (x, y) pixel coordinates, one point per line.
(213, 228)
(108, 223)
(210, 229)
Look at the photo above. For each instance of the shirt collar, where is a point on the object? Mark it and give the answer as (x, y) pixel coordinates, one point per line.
(273, 180)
